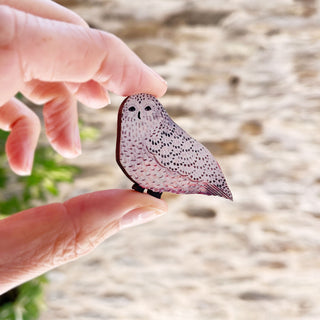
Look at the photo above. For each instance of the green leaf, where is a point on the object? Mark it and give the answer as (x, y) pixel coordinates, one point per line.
(88, 133)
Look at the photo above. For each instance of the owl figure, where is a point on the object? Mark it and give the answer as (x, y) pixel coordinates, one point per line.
(157, 155)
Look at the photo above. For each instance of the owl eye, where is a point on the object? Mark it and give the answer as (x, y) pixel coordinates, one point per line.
(147, 108)
(132, 109)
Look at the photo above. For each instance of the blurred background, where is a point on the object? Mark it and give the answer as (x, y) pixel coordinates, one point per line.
(243, 78)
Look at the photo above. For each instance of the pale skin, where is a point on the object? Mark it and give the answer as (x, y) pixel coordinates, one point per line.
(49, 54)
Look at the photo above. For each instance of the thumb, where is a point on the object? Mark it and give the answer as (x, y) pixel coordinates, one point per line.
(36, 240)
(96, 216)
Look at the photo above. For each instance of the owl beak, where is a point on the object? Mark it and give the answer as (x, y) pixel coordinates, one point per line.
(139, 115)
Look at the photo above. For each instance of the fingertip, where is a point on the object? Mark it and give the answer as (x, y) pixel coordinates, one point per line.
(144, 80)
(61, 122)
(159, 85)
(20, 171)
(114, 203)
(20, 152)
(69, 145)
(145, 200)
(66, 152)
(124, 73)
(22, 140)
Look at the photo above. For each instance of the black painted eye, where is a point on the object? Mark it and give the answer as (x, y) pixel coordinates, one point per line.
(147, 108)
(132, 109)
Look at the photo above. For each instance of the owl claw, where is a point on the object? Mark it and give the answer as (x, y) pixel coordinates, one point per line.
(155, 194)
(136, 187)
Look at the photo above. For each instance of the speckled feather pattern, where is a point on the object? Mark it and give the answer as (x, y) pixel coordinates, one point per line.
(158, 155)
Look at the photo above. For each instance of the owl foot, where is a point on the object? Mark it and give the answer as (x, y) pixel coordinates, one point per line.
(136, 187)
(155, 194)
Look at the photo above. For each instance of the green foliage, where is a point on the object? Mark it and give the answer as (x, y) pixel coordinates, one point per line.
(24, 302)
(87, 132)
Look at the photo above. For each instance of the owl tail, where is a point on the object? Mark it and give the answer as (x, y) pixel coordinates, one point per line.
(215, 191)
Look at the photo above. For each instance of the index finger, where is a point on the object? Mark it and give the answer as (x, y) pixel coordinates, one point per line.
(46, 9)
(50, 50)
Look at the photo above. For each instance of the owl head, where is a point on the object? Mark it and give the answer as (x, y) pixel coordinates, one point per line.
(142, 108)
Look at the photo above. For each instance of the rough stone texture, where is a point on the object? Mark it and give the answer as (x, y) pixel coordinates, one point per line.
(249, 76)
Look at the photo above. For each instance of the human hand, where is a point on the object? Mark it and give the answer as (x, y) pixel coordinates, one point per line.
(56, 63)
(50, 55)
(39, 239)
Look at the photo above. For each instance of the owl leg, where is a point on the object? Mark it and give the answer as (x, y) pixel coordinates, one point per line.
(137, 188)
(155, 194)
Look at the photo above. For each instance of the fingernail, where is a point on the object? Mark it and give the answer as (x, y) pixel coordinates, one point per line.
(77, 142)
(139, 216)
(25, 171)
(70, 149)
(25, 168)
(158, 76)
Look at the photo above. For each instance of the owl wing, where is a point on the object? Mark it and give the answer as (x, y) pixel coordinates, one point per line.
(175, 150)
